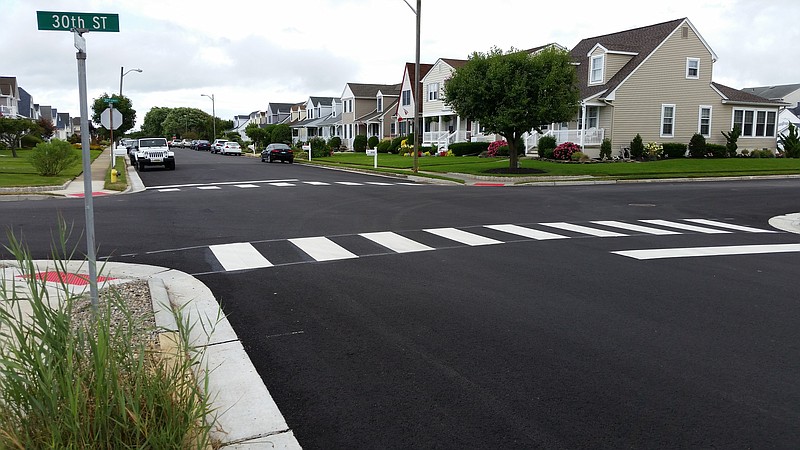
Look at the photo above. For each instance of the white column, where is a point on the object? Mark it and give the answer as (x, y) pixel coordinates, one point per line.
(583, 123)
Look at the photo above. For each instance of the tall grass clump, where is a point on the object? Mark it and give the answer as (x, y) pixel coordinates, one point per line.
(73, 377)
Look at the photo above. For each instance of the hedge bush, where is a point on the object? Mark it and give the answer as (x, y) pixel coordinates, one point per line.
(30, 141)
(395, 144)
(545, 143)
(637, 147)
(372, 142)
(674, 149)
(468, 148)
(319, 148)
(605, 149)
(383, 146)
(51, 158)
(334, 143)
(697, 146)
(717, 150)
(360, 143)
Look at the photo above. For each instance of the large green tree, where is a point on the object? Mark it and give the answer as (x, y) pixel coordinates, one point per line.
(281, 134)
(515, 92)
(185, 123)
(152, 121)
(258, 135)
(12, 131)
(124, 106)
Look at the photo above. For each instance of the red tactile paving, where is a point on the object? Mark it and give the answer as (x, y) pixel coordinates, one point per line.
(68, 278)
(94, 194)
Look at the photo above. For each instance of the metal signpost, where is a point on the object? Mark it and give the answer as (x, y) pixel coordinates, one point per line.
(79, 23)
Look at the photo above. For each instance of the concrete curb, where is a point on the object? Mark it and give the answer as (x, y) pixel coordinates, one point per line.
(244, 413)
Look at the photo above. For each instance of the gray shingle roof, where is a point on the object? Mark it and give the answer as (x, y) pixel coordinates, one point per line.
(371, 90)
(737, 96)
(773, 92)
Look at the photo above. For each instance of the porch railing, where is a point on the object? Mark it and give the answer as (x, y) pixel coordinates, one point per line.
(592, 137)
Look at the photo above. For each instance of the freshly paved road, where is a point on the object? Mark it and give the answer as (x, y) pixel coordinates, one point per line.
(521, 343)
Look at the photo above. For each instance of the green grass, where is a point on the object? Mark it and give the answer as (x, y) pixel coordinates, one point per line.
(19, 171)
(122, 181)
(672, 168)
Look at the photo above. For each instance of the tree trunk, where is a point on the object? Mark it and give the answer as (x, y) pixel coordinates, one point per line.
(513, 158)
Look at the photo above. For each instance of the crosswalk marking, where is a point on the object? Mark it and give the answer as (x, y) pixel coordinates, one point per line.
(349, 183)
(729, 226)
(169, 190)
(582, 229)
(246, 186)
(526, 232)
(207, 188)
(281, 184)
(316, 183)
(322, 248)
(396, 243)
(634, 227)
(684, 226)
(239, 256)
(463, 237)
(410, 184)
(663, 253)
(378, 183)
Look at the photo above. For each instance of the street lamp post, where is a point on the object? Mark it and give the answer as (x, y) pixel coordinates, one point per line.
(213, 115)
(121, 75)
(417, 129)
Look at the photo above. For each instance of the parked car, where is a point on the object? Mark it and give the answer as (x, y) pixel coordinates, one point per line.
(153, 152)
(202, 145)
(186, 143)
(174, 143)
(231, 148)
(277, 152)
(217, 145)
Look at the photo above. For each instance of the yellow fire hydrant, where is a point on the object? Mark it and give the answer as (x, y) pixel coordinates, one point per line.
(113, 175)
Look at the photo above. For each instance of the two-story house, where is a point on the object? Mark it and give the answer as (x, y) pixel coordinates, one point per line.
(656, 81)
(278, 113)
(407, 103)
(318, 109)
(358, 101)
(382, 121)
(9, 97)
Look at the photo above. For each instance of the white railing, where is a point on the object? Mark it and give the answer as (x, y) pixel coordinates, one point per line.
(592, 137)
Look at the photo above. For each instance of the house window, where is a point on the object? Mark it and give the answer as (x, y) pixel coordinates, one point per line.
(596, 69)
(392, 128)
(704, 126)
(592, 113)
(433, 92)
(667, 120)
(380, 104)
(407, 97)
(755, 123)
(692, 68)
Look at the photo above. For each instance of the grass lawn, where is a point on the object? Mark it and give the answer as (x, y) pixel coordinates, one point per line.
(671, 168)
(19, 171)
(122, 181)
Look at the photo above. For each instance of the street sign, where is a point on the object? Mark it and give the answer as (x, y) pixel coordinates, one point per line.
(105, 118)
(67, 21)
(111, 100)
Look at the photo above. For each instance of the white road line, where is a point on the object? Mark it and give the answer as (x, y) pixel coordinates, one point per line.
(729, 226)
(221, 183)
(683, 226)
(526, 232)
(581, 229)
(322, 248)
(246, 186)
(281, 184)
(409, 184)
(169, 190)
(239, 256)
(689, 252)
(633, 227)
(462, 236)
(349, 183)
(395, 242)
(316, 183)
(378, 183)
(207, 188)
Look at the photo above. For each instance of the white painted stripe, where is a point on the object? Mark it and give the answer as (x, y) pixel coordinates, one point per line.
(169, 190)
(221, 183)
(378, 183)
(526, 232)
(239, 256)
(634, 227)
(206, 188)
(684, 226)
(281, 184)
(349, 183)
(582, 229)
(322, 248)
(410, 184)
(462, 236)
(396, 243)
(689, 252)
(316, 183)
(246, 186)
(729, 226)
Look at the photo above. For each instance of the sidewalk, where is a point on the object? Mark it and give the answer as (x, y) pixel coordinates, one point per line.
(100, 167)
(245, 415)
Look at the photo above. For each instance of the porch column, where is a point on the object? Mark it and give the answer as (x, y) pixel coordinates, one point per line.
(583, 123)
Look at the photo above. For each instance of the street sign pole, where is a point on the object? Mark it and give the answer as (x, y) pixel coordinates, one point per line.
(80, 44)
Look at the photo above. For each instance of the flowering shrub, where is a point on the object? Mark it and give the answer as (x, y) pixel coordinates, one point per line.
(653, 149)
(445, 153)
(564, 151)
(494, 147)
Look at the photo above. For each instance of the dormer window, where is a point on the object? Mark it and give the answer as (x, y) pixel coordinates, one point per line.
(596, 69)
(692, 68)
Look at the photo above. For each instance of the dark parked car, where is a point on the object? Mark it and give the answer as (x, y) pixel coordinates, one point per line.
(202, 145)
(277, 152)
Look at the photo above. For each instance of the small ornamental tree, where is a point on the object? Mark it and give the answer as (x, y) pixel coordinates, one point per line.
(790, 142)
(515, 92)
(605, 149)
(697, 146)
(334, 143)
(51, 158)
(372, 142)
(637, 147)
(545, 143)
(731, 138)
(360, 143)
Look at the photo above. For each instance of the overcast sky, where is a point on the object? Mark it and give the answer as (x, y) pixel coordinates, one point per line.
(252, 52)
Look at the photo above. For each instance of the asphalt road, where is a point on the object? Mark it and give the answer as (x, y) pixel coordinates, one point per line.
(518, 343)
